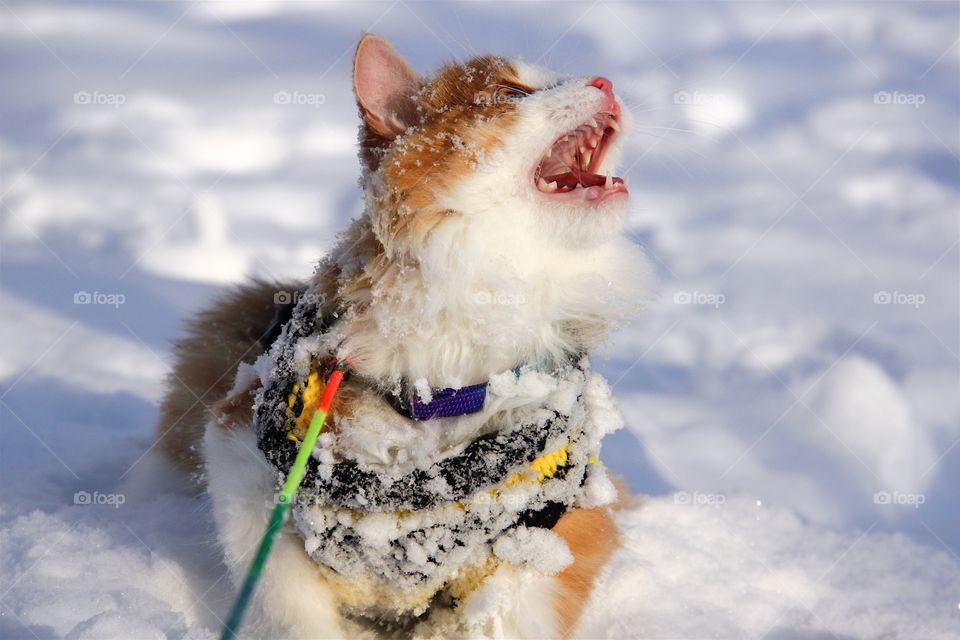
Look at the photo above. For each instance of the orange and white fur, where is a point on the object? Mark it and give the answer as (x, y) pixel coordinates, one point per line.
(466, 262)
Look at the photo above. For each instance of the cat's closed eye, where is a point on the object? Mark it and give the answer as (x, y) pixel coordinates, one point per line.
(509, 89)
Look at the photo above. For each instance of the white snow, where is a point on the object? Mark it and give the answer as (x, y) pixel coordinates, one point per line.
(424, 392)
(599, 490)
(541, 549)
(748, 571)
(791, 401)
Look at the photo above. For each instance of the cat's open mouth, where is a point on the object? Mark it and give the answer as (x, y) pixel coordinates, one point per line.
(573, 163)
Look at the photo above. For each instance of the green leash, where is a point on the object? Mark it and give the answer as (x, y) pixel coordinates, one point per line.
(284, 501)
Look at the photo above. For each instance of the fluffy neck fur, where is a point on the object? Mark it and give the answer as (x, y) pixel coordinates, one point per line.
(479, 298)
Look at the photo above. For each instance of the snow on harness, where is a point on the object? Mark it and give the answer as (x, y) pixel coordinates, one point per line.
(398, 541)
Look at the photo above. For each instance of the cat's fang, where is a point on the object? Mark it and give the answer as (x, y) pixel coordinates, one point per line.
(547, 187)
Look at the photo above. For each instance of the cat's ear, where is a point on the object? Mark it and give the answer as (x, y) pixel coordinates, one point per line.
(384, 85)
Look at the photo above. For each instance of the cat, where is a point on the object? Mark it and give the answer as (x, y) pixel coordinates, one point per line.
(489, 257)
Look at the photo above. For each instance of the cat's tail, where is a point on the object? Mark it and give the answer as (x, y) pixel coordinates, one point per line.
(237, 327)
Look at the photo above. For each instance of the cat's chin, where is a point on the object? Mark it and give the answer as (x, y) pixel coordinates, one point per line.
(577, 223)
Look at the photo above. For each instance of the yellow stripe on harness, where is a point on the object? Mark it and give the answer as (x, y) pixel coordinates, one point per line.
(544, 467)
(298, 423)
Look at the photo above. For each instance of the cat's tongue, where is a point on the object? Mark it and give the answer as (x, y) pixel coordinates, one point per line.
(573, 179)
(592, 184)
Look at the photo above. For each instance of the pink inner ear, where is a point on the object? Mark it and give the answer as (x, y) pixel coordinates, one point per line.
(383, 83)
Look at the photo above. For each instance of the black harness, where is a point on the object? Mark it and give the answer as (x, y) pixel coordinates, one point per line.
(337, 494)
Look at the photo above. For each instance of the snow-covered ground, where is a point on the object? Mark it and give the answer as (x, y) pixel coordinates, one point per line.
(792, 400)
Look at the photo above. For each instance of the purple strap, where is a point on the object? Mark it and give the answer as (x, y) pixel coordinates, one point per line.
(447, 403)
(444, 403)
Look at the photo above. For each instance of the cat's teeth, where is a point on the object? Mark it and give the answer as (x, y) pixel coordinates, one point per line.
(547, 187)
(608, 184)
(549, 152)
(614, 124)
(586, 159)
(593, 123)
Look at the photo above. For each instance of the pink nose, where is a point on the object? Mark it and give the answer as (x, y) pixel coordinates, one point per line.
(603, 84)
(607, 87)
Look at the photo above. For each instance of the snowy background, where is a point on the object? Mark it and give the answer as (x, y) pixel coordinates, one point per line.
(792, 400)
